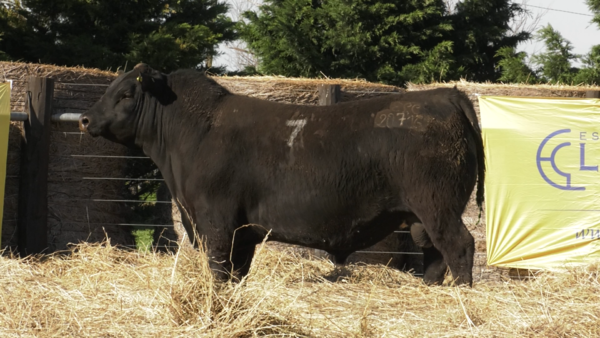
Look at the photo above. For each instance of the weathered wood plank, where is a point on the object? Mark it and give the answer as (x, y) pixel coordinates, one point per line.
(329, 95)
(33, 188)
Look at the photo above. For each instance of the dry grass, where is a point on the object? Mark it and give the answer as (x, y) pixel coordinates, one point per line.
(474, 90)
(301, 90)
(102, 291)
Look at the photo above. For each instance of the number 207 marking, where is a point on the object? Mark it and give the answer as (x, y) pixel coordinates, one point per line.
(389, 120)
(298, 125)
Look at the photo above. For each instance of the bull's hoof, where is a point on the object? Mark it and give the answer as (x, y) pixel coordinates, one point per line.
(221, 276)
(220, 273)
(435, 273)
(468, 281)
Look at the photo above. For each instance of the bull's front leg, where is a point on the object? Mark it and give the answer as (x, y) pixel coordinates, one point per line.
(230, 254)
(229, 241)
(219, 253)
(213, 232)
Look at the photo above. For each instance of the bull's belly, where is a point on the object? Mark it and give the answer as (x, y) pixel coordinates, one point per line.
(337, 233)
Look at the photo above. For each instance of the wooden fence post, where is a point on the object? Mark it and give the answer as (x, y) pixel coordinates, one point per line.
(329, 95)
(33, 185)
(592, 94)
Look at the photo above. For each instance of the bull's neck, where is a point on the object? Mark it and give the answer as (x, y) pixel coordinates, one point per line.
(164, 133)
(149, 127)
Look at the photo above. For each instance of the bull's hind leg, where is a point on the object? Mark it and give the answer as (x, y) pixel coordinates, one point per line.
(434, 266)
(455, 243)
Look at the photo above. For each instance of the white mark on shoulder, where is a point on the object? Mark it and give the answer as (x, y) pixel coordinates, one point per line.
(298, 125)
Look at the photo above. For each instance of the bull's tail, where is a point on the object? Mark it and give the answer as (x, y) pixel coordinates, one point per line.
(467, 108)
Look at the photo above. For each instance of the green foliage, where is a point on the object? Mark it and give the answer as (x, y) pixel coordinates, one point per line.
(143, 239)
(481, 30)
(180, 44)
(142, 190)
(107, 34)
(594, 6)
(555, 62)
(388, 41)
(435, 66)
(340, 38)
(513, 67)
(590, 72)
(10, 22)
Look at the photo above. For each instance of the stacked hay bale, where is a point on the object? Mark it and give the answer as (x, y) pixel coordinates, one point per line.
(301, 91)
(72, 217)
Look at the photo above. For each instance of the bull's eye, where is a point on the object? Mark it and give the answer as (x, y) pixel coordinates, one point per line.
(126, 95)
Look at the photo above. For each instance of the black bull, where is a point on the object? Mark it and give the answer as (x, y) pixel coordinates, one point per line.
(337, 178)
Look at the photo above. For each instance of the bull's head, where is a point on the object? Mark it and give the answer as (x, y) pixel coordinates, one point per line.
(115, 116)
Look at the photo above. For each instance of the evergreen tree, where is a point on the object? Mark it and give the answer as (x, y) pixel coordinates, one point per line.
(590, 70)
(167, 33)
(594, 6)
(513, 67)
(11, 23)
(481, 30)
(390, 41)
(555, 62)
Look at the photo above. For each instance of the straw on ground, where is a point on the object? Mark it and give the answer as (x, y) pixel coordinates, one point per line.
(103, 291)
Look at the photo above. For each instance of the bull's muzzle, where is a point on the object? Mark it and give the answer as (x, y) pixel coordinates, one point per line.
(84, 121)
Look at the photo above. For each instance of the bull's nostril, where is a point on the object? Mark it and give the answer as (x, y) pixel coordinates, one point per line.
(83, 123)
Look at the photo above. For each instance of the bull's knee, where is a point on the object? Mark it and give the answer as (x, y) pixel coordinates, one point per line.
(420, 236)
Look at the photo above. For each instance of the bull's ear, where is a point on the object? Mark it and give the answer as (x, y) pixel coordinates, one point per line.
(155, 83)
(149, 78)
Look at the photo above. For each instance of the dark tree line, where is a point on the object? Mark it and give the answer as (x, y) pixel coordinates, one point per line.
(107, 34)
(379, 40)
(388, 41)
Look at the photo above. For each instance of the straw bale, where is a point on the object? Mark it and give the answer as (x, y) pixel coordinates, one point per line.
(19, 73)
(301, 90)
(474, 90)
(101, 291)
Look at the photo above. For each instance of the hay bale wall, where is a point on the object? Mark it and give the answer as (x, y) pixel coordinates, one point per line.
(72, 217)
(301, 91)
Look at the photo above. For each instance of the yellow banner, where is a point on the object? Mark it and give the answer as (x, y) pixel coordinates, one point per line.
(4, 128)
(542, 186)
